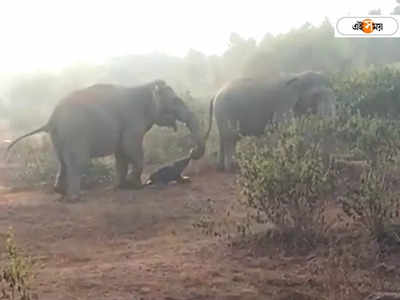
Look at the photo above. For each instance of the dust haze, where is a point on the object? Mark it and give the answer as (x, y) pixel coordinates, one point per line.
(290, 222)
(30, 84)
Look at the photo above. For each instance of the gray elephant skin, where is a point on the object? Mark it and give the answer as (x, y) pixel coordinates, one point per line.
(246, 105)
(106, 119)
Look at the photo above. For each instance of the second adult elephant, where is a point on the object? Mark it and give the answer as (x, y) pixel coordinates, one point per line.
(246, 105)
(108, 119)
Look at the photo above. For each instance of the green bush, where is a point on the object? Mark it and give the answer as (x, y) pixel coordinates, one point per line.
(374, 203)
(367, 138)
(374, 91)
(16, 273)
(285, 176)
(286, 182)
(36, 162)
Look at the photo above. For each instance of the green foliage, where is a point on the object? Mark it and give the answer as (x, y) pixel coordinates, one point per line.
(16, 273)
(368, 138)
(36, 161)
(287, 183)
(374, 203)
(373, 91)
(285, 178)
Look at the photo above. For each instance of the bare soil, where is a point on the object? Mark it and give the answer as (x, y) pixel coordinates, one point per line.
(142, 245)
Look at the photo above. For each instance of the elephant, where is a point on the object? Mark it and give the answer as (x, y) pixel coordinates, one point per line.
(106, 119)
(171, 172)
(244, 106)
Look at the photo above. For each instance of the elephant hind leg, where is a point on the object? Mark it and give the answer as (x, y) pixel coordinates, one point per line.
(221, 155)
(60, 185)
(229, 147)
(75, 162)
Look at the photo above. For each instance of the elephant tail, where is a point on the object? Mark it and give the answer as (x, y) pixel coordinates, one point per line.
(210, 121)
(44, 128)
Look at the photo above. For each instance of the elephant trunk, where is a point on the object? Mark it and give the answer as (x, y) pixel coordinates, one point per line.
(191, 121)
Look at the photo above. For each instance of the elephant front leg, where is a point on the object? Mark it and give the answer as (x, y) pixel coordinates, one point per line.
(133, 149)
(121, 166)
(136, 176)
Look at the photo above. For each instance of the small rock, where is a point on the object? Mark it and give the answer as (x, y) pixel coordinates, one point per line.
(145, 290)
(382, 267)
(384, 296)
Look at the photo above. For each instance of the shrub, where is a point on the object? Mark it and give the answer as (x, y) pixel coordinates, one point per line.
(374, 203)
(374, 91)
(36, 162)
(368, 137)
(286, 181)
(16, 274)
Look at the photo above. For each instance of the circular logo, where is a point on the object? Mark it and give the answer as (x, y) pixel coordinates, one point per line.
(367, 25)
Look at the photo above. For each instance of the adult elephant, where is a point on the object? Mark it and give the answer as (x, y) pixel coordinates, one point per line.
(106, 119)
(245, 106)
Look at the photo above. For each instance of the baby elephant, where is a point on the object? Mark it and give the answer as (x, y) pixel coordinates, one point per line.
(171, 172)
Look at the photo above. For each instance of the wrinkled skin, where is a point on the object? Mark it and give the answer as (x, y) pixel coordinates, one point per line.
(107, 119)
(245, 106)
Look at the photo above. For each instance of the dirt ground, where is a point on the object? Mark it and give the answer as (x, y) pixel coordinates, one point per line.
(140, 245)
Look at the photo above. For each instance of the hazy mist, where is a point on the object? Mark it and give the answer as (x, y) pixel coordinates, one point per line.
(49, 48)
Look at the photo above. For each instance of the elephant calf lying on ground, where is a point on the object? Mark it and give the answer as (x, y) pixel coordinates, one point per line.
(246, 105)
(170, 172)
(107, 119)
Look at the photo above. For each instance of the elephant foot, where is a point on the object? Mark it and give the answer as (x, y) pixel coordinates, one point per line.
(69, 199)
(59, 190)
(220, 168)
(184, 179)
(61, 198)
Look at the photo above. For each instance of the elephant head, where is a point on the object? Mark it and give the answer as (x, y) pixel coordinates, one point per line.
(169, 108)
(313, 94)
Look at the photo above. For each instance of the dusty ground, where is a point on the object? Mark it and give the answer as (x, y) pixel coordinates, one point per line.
(141, 245)
(131, 244)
